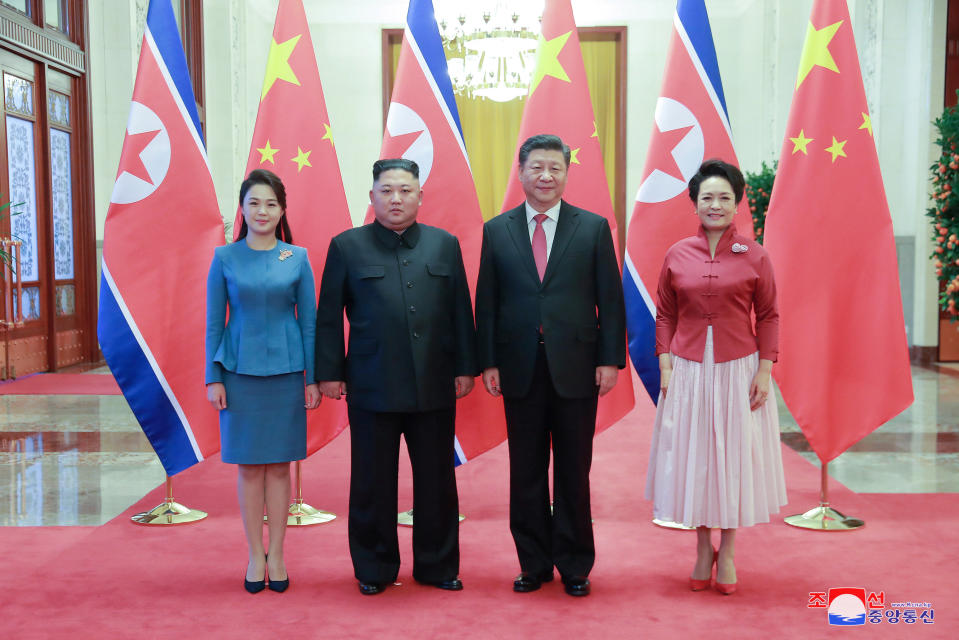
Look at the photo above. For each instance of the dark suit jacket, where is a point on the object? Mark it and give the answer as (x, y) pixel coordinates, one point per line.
(411, 321)
(579, 304)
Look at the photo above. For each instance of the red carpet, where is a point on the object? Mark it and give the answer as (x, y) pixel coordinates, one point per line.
(62, 384)
(126, 581)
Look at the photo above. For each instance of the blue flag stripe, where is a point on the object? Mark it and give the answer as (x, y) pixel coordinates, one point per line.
(641, 329)
(141, 387)
(421, 23)
(692, 14)
(163, 28)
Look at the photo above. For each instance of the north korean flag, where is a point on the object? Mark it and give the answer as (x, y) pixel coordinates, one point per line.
(423, 125)
(160, 232)
(691, 125)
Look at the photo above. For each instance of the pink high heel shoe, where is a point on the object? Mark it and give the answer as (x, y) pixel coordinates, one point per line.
(702, 585)
(727, 589)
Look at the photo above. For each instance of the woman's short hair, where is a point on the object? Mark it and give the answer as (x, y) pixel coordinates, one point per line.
(270, 179)
(714, 167)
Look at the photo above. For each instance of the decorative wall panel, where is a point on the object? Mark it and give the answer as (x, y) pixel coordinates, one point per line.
(21, 168)
(62, 196)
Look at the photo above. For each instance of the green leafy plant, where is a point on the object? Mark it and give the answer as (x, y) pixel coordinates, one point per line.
(944, 211)
(5, 256)
(759, 186)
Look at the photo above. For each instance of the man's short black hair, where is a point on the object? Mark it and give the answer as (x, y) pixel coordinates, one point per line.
(716, 167)
(543, 141)
(395, 163)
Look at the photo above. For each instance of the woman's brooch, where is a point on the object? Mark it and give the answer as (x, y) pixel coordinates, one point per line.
(739, 248)
(286, 253)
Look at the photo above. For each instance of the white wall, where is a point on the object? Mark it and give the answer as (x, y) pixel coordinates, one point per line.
(901, 45)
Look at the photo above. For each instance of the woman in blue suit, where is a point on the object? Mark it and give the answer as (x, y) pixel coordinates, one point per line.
(256, 362)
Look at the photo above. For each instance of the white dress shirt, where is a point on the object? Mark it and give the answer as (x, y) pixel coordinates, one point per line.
(549, 224)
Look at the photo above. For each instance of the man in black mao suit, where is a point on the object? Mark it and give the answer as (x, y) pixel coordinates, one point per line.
(411, 355)
(551, 335)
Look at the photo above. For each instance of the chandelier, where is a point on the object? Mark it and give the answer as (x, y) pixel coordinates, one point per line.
(490, 49)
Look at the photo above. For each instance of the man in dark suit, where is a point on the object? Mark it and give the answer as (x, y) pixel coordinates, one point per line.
(551, 335)
(411, 355)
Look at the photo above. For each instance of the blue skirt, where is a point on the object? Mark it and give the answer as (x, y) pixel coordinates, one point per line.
(264, 421)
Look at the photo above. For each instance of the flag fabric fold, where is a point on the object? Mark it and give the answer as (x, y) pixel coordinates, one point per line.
(691, 125)
(559, 104)
(161, 228)
(423, 125)
(843, 365)
(293, 139)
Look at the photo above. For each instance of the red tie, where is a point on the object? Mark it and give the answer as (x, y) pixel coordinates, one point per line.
(539, 245)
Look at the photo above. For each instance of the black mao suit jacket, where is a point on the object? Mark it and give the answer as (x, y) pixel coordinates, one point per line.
(411, 321)
(579, 305)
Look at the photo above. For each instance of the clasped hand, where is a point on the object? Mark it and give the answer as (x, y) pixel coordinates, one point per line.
(216, 394)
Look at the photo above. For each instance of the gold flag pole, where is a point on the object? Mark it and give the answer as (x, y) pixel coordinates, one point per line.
(669, 524)
(169, 511)
(824, 517)
(302, 514)
(405, 518)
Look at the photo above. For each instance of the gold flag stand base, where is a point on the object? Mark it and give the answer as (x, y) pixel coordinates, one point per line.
(169, 511)
(405, 518)
(302, 514)
(667, 524)
(824, 517)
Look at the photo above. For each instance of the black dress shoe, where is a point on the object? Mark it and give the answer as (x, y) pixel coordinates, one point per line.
(254, 586)
(277, 585)
(371, 588)
(576, 585)
(280, 585)
(450, 585)
(526, 582)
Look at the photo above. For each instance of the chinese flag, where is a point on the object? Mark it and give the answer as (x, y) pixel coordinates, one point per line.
(292, 139)
(559, 104)
(843, 363)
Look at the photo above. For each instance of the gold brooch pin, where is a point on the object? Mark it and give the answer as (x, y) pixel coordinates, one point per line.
(286, 253)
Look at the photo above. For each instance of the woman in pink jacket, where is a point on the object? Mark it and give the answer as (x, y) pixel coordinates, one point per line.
(715, 460)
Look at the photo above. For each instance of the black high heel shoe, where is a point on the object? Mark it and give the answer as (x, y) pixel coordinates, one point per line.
(255, 586)
(278, 585)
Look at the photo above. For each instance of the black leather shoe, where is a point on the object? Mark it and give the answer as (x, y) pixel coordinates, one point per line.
(254, 586)
(576, 585)
(526, 582)
(449, 585)
(371, 588)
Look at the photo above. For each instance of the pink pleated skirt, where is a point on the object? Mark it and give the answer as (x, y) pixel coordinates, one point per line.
(714, 462)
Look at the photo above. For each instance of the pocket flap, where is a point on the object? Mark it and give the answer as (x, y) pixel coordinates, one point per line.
(438, 269)
(372, 271)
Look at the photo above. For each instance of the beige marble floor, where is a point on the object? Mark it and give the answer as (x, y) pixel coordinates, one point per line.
(82, 460)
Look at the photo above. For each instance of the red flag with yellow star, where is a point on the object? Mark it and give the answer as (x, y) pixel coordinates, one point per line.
(559, 104)
(292, 139)
(843, 362)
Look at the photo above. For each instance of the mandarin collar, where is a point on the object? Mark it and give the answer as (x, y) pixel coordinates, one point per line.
(393, 240)
(725, 240)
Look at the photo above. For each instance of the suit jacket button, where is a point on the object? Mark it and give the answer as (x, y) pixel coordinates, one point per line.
(406, 263)
(412, 309)
(409, 285)
(416, 334)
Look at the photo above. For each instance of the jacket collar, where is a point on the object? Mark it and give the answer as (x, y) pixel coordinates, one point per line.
(725, 241)
(392, 240)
